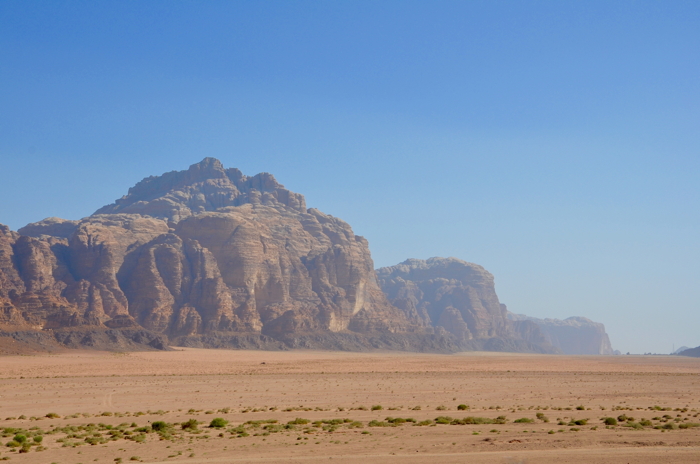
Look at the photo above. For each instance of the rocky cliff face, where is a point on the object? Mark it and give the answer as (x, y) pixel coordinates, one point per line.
(460, 298)
(205, 256)
(574, 335)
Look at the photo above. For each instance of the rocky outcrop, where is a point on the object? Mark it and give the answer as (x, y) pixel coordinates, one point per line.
(574, 335)
(204, 257)
(459, 298)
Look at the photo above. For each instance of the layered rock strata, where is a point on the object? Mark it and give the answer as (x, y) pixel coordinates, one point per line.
(205, 257)
(459, 298)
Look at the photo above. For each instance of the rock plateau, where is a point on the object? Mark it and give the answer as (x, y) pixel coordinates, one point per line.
(574, 335)
(460, 298)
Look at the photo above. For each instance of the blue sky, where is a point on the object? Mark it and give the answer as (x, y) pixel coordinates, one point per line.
(555, 143)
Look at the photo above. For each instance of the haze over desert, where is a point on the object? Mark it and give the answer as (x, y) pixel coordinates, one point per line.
(349, 231)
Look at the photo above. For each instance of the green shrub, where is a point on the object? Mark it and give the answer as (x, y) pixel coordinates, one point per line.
(13, 444)
(299, 421)
(580, 408)
(190, 424)
(38, 438)
(218, 422)
(688, 425)
(440, 408)
(377, 407)
(462, 407)
(610, 421)
(478, 420)
(524, 420)
(443, 420)
(542, 417)
(159, 426)
(52, 415)
(376, 423)
(424, 423)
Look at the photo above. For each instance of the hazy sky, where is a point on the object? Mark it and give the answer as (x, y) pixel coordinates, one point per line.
(555, 143)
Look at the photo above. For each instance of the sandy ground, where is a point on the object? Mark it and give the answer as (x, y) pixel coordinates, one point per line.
(113, 400)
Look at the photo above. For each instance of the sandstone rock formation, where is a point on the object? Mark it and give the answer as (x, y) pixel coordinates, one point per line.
(206, 257)
(460, 298)
(574, 335)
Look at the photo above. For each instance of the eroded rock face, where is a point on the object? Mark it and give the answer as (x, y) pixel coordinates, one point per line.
(460, 298)
(196, 253)
(574, 335)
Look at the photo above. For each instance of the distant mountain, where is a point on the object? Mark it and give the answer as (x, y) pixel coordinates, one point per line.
(459, 298)
(574, 335)
(692, 352)
(210, 257)
(681, 349)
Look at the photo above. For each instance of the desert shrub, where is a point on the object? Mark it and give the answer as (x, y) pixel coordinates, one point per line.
(190, 424)
(474, 420)
(610, 421)
(688, 425)
(299, 421)
(20, 438)
(52, 415)
(218, 422)
(462, 407)
(13, 444)
(440, 408)
(424, 423)
(579, 422)
(377, 407)
(524, 420)
(38, 438)
(95, 441)
(645, 422)
(634, 425)
(580, 408)
(542, 417)
(443, 420)
(624, 418)
(396, 420)
(376, 423)
(159, 426)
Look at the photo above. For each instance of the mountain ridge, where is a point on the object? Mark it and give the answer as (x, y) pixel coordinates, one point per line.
(210, 257)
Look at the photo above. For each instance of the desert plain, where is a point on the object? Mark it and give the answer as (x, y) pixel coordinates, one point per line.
(314, 406)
